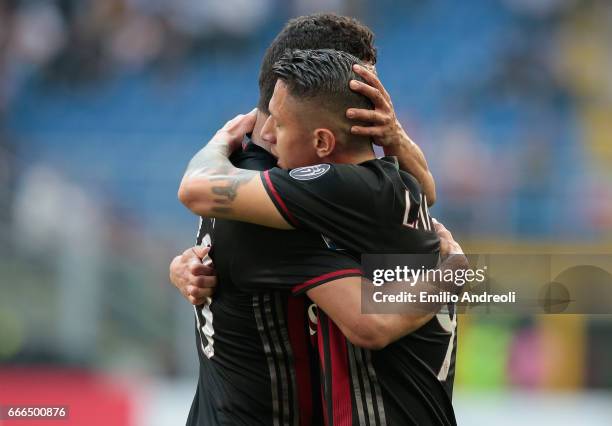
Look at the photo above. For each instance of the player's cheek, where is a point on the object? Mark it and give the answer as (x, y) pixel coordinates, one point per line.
(280, 144)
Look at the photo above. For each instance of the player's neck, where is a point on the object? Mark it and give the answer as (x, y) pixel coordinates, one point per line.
(351, 157)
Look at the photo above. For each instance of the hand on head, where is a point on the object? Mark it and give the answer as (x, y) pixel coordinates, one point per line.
(234, 131)
(381, 123)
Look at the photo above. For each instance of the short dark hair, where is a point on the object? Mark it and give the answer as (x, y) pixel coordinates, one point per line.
(318, 31)
(323, 76)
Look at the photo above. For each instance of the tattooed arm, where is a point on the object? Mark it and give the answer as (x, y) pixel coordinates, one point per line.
(213, 187)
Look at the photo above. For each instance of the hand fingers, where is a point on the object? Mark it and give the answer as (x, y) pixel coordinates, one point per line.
(374, 132)
(246, 123)
(173, 267)
(372, 93)
(231, 123)
(196, 255)
(372, 79)
(444, 248)
(251, 115)
(190, 257)
(444, 233)
(200, 269)
(456, 248)
(201, 282)
(441, 229)
(199, 289)
(197, 296)
(448, 245)
(367, 115)
(200, 251)
(242, 123)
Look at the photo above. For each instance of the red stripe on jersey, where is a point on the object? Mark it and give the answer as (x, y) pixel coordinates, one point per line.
(327, 277)
(340, 374)
(321, 345)
(279, 200)
(299, 345)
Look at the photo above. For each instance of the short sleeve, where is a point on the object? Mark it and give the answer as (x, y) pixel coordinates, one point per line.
(336, 200)
(365, 208)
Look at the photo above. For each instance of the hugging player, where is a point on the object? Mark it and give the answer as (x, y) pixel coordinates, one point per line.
(256, 377)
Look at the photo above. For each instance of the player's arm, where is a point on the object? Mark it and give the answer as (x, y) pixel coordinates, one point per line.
(386, 130)
(341, 300)
(213, 187)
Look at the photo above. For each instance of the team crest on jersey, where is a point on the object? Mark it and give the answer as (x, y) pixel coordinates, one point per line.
(310, 172)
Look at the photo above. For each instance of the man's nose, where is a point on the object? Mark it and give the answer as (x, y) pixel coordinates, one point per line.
(267, 132)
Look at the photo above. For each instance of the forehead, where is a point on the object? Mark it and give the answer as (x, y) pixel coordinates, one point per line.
(281, 100)
(277, 96)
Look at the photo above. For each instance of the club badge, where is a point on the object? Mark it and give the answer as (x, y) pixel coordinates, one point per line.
(310, 172)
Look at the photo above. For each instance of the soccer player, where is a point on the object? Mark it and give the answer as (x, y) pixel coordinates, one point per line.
(359, 204)
(252, 340)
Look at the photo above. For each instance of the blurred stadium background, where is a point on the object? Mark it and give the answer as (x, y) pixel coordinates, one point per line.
(103, 102)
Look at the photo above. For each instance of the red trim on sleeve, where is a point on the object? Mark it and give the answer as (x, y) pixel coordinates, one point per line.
(278, 199)
(299, 344)
(326, 277)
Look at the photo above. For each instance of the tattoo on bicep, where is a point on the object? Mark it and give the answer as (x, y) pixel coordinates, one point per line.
(225, 188)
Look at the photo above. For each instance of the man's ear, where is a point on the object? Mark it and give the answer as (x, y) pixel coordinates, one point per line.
(324, 142)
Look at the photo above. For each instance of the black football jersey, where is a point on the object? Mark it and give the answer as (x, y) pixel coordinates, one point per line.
(373, 207)
(256, 361)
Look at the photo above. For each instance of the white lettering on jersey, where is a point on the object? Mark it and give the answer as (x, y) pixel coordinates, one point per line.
(312, 319)
(407, 213)
(449, 324)
(205, 327)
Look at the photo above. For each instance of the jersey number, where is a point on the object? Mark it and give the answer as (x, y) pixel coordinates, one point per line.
(204, 319)
(203, 314)
(449, 324)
